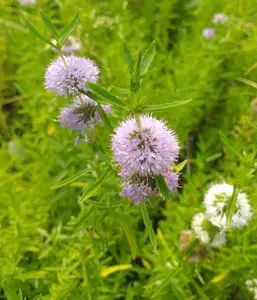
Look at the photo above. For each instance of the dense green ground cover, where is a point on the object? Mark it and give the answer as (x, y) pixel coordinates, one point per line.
(50, 244)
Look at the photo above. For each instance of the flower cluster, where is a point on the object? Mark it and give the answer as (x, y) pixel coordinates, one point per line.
(251, 285)
(144, 148)
(210, 227)
(68, 75)
(28, 2)
(218, 18)
(81, 114)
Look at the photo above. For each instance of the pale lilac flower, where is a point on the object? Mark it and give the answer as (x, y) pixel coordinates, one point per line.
(219, 18)
(208, 33)
(139, 188)
(81, 114)
(69, 74)
(28, 2)
(71, 46)
(216, 201)
(150, 149)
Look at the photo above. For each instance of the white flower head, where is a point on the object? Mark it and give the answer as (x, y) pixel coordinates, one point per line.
(251, 285)
(197, 227)
(219, 239)
(216, 201)
(219, 18)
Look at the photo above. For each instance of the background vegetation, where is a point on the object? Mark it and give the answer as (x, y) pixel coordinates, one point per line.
(50, 244)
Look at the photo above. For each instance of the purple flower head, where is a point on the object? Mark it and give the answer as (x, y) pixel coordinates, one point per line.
(150, 149)
(208, 33)
(219, 18)
(139, 188)
(28, 2)
(68, 75)
(81, 114)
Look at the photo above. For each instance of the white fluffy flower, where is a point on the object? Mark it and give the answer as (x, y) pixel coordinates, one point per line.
(197, 227)
(28, 2)
(252, 286)
(219, 18)
(216, 201)
(203, 235)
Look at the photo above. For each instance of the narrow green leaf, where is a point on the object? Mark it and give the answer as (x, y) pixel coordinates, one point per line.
(92, 188)
(180, 166)
(126, 226)
(48, 23)
(35, 31)
(9, 291)
(128, 57)
(119, 91)
(245, 80)
(231, 206)
(227, 142)
(165, 106)
(98, 90)
(148, 224)
(162, 185)
(147, 59)
(38, 297)
(105, 118)
(70, 179)
(68, 29)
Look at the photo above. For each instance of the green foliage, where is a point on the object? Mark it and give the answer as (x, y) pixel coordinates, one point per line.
(67, 234)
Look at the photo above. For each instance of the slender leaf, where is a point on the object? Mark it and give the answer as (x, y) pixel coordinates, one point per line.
(162, 185)
(165, 106)
(147, 59)
(180, 166)
(126, 226)
(70, 179)
(119, 91)
(9, 291)
(245, 80)
(105, 118)
(92, 188)
(98, 90)
(48, 23)
(148, 224)
(128, 57)
(35, 31)
(38, 297)
(68, 29)
(231, 206)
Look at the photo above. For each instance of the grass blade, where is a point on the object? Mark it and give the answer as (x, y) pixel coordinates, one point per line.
(231, 206)
(128, 57)
(105, 118)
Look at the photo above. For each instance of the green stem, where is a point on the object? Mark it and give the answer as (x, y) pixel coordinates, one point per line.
(148, 224)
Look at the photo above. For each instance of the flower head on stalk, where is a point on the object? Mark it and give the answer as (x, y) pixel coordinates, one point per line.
(68, 75)
(148, 148)
(83, 113)
(138, 188)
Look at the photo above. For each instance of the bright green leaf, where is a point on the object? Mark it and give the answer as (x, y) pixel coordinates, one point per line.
(105, 118)
(161, 183)
(98, 90)
(128, 57)
(48, 23)
(9, 291)
(165, 106)
(35, 31)
(70, 179)
(147, 59)
(68, 29)
(231, 206)
(180, 166)
(92, 188)
(148, 224)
